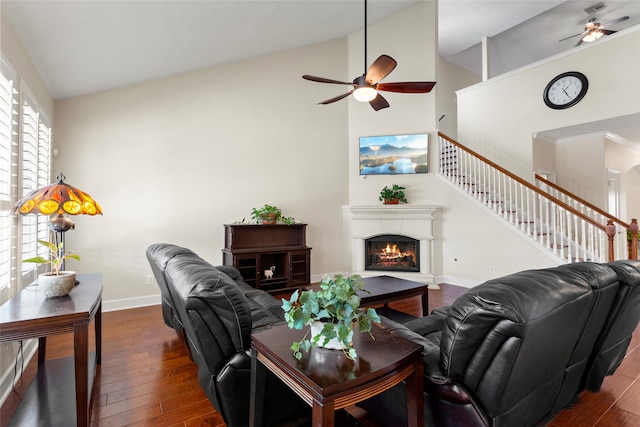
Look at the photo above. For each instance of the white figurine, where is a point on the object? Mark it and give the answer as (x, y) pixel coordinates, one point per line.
(268, 274)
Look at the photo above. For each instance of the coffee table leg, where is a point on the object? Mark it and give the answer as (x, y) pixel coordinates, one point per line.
(322, 415)
(425, 302)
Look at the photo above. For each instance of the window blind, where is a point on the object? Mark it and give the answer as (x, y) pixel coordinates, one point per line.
(25, 147)
(35, 146)
(8, 170)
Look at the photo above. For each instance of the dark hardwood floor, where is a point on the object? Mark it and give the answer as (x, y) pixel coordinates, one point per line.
(147, 378)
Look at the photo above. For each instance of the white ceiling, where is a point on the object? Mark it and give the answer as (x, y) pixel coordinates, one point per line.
(85, 46)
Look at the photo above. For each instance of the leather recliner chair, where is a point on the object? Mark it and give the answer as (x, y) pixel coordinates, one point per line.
(623, 319)
(513, 351)
(214, 313)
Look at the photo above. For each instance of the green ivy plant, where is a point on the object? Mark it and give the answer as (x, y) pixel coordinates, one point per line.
(269, 214)
(337, 305)
(395, 192)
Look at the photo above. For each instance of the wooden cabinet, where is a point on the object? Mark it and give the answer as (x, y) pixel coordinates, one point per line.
(271, 257)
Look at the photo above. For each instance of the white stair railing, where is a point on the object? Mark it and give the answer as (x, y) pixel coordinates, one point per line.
(589, 210)
(560, 228)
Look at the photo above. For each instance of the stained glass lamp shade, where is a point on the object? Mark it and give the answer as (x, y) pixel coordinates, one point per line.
(58, 199)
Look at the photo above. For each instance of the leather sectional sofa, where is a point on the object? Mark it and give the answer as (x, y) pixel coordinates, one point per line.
(214, 313)
(515, 351)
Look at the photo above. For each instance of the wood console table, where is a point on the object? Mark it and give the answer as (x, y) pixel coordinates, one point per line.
(30, 315)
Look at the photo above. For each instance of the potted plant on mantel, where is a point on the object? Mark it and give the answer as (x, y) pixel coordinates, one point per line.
(269, 214)
(331, 313)
(393, 195)
(56, 283)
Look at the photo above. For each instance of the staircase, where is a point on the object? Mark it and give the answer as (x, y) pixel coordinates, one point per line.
(569, 228)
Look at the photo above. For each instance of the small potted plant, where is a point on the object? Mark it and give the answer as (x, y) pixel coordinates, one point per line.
(331, 313)
(56, 283)
(270, 215)
(393, 195)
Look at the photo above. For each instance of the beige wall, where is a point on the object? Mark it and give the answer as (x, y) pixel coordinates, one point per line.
(580, 167)
(450, 79)
(172, 160)
(20, 61)
(410, 38)
(623, 157)
(499, 117)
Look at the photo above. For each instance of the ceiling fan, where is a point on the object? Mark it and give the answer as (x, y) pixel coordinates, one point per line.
(594, 30)
(366, 86)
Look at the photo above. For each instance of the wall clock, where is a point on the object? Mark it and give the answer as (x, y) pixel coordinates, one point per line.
(565, 90)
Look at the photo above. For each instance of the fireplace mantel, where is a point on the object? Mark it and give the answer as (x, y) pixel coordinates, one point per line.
(415, 221)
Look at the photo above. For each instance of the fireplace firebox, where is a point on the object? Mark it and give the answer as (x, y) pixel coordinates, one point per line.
(392, 252)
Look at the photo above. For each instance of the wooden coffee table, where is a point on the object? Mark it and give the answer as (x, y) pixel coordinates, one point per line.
(386, 289)
(326, 380)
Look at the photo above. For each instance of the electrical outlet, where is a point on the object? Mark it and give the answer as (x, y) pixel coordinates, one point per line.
(492, 270)
(150, 280)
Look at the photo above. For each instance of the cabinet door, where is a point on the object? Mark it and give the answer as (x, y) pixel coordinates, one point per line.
(300, 268)
(247, 265)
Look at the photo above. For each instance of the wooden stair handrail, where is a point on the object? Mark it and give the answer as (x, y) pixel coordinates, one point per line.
(581, 200)
(526, 184)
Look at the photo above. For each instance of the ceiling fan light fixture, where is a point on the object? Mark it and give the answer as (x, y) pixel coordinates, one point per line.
(365, 93)
(592, 36)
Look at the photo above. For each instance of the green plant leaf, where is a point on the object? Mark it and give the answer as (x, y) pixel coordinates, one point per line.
(37, 259)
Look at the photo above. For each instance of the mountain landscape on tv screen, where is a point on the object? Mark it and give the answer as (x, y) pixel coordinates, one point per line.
(391, 159)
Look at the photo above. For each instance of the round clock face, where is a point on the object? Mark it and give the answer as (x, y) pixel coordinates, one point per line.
(566, 90)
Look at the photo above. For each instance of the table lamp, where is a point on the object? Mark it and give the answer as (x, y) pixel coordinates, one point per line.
(57, 200)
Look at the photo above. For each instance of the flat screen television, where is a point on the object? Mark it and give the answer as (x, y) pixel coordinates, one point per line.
(394, 154)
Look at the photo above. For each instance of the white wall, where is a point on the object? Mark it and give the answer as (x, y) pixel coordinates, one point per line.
(15, 53)
(497, 118)
(410, 38)
(623, 157)
(580, 167)
(172, 160)
(451, 78)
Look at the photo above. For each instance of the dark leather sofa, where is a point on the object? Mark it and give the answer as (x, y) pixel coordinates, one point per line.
(515, 351)
(214, 313)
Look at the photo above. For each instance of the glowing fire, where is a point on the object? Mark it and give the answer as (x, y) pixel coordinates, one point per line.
(391, 253)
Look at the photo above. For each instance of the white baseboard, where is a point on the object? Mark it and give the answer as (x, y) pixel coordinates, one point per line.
(127, 303)
(465, 283)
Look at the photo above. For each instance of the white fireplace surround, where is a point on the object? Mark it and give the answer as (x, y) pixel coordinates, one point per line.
(415, 221)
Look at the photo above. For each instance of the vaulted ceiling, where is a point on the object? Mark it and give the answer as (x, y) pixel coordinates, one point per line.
(85, 46)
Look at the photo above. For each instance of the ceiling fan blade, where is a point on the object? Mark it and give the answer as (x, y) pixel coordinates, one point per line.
(380, 69)
(615, 21)
(570, 37)
(337, 98)
(378, 103)
(407, 87)
(607, 32)
(579, 43)
(323, 80)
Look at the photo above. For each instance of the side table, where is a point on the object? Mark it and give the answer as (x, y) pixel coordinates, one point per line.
(326, 380)
(30, 315)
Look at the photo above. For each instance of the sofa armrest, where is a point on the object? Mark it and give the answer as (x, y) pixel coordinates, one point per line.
(431, 348)
(231, 271)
